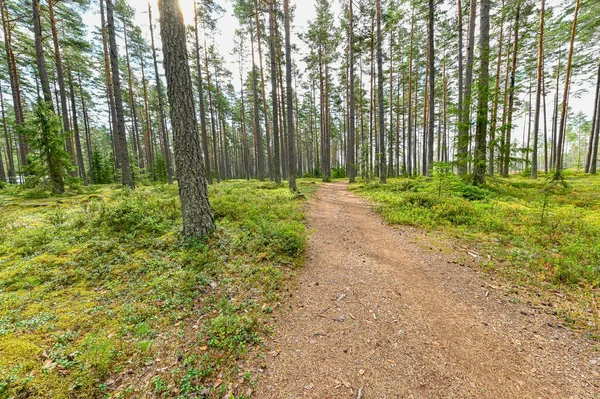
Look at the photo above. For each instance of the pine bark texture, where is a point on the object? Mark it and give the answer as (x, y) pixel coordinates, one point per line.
(197, 216)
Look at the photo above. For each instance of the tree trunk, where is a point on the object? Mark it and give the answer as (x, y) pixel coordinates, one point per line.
(116, 79)
(460, 153)
(78, 150)
(197, 216)
(381, 154)
(54, 170)
(390, 167)
(258, 139)
(482, 115)
(86, 125)
(61, 86)
(9, 150)
(213, 127)
(270, 157)
(538, 95)
(563, 120)
(465, 122)
(431, 89)
(39, 54)
(203, 133)
(109, 89)
(166, 148)
(511, 97)
(408, 151)
(15, 86)
(593, 131)
(596, 138)
(290, 99)
(555, 114)
(274, 163)
(137, 150)
(352, 109)
(148, 140)
(494, 117)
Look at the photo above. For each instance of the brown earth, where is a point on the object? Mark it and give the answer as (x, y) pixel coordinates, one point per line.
(378, 314)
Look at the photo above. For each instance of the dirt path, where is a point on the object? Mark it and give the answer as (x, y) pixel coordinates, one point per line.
(378, 316)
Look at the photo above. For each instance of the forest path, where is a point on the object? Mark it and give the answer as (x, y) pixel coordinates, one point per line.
(378, 315)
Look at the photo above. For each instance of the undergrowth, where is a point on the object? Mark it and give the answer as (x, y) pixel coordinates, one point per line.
(542, 232)
(101, 297)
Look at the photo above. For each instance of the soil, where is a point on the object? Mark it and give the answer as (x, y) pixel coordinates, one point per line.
(380, 313)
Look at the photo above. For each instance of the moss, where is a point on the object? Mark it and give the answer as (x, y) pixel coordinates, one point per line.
(98, 281)
(538, 233)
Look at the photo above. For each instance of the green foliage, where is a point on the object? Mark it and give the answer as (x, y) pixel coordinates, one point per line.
(547, 230)
(97, 281)
(338, 173)
(102, 166)
(46, 139)
(160, 169)
(231, 332)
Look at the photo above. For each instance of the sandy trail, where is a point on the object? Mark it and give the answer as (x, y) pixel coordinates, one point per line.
(377, 315)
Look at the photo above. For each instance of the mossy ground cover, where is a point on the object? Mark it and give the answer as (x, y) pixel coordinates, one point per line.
(100, 296)
(536, 233)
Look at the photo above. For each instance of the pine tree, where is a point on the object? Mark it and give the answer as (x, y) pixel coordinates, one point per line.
(123, 153)
(197, 216)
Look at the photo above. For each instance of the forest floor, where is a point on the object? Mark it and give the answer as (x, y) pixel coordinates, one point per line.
(100, 297)
(400, 312)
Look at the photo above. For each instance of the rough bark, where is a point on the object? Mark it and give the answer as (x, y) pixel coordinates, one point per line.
(197, 216)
